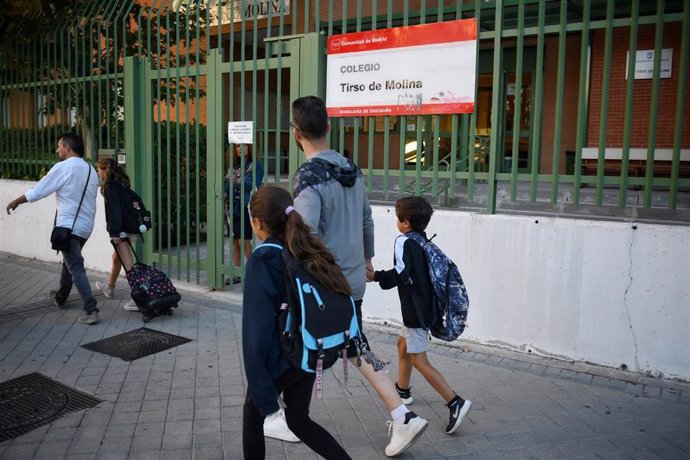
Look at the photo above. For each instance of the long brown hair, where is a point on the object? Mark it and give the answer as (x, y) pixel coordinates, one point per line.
(268, 204)
(237, 160)
(112, 172)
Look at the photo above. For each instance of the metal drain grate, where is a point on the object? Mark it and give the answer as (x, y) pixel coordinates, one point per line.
(33, 400)
(136, 344)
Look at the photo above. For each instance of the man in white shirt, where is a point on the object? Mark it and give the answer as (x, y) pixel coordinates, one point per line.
(70, 179)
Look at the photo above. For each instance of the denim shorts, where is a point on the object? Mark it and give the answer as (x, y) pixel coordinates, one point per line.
(416, 339)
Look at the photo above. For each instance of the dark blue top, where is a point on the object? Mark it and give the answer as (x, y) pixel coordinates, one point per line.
(411, 276)
(264, 291)
(240, 201)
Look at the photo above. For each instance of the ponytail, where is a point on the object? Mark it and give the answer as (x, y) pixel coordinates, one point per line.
(311, 251)
(272, 205)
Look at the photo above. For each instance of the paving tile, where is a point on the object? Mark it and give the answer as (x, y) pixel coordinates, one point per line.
(187, 403)
(176, 454)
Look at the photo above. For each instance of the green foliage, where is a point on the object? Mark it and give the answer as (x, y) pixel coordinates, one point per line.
(26, 154)
(177, 173)
(72, 52)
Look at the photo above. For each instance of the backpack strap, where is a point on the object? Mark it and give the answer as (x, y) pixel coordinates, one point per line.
(269, 245)
(319, 171)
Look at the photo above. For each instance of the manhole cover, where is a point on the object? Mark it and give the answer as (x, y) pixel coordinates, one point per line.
(136, 344)
(33, 400)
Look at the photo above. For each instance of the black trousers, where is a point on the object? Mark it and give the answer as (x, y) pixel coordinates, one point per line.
(296, 386)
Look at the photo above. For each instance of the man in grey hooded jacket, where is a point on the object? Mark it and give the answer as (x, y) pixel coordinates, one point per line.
(330, 195)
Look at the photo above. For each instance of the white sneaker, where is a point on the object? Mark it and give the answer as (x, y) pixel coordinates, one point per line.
(405, 434)
(131, 306)
(276, 427)
(108, 292)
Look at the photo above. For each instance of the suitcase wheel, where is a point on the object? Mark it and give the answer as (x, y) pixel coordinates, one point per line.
(170, 312)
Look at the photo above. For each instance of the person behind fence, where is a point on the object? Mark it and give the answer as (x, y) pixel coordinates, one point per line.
(410, 275)
(113, 180)
(75, 185)
(331, 196)
(246, 174)
(268, 371)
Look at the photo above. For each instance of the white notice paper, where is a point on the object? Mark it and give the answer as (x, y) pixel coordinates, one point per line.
(240, 132)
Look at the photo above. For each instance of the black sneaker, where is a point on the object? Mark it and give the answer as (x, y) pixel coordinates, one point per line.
(56, 302)
(458, 409)
(405, 394)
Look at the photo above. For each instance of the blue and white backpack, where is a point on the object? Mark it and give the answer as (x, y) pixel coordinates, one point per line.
(317, 323)
(448, 316)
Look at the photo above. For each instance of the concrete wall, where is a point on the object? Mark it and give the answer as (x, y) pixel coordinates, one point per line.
(26, 232)
(610, 293)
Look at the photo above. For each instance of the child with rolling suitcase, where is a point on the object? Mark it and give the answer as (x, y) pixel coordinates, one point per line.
(153, 293)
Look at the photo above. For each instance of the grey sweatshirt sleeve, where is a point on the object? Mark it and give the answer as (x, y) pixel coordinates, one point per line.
(368, 230)
(308, 205)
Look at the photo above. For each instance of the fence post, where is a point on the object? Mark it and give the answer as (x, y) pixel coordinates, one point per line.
(214, 165)
(138, 152)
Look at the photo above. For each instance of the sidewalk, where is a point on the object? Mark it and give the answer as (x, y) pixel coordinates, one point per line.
(186, 402)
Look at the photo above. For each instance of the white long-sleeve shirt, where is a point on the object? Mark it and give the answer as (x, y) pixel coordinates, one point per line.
(67, 179)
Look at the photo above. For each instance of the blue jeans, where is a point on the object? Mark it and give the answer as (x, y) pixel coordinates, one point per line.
(73, 272)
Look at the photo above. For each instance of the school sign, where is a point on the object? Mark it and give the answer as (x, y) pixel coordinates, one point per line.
(411, 70)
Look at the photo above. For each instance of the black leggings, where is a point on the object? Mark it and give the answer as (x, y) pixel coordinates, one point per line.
(296, 387)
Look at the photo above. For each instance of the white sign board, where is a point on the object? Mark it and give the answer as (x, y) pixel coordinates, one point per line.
(411, 70)
(644, 64)
(240, 132)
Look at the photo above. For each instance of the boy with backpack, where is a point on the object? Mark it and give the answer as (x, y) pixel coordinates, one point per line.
(410, 275)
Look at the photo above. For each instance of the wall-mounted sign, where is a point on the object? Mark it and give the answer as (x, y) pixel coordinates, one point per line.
(412, 70)
(644, 64)
(247, 10)
(240, 132)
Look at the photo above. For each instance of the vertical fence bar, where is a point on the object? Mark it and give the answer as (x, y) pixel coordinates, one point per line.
(517, 100)
(164, 13)
(558, 117)
(680, 107)
(437, 129)
(627, 123)
(402, 132)
(582, 101)
(535, 151)
(197, 144)
(178, 156)
(654, 109)
(214, 178)
(187, 200)
(603, 110)
(473, 117)
(497, 108)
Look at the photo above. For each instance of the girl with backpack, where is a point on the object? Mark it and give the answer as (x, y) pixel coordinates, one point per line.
(268, 371)
(113, 180)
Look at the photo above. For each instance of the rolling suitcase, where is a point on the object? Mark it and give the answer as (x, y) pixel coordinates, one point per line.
(152, 290)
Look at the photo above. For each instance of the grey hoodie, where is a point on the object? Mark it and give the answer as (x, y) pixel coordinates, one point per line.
(332, 200)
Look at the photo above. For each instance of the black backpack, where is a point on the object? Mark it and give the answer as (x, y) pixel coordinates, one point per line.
(317, 323)
(135, 217)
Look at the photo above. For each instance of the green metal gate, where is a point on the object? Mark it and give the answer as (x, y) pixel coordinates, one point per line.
(186, 189)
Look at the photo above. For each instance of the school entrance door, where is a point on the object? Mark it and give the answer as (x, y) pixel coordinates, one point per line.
(178, 154)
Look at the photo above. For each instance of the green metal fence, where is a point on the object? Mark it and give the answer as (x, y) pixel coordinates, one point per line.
(563, 123)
